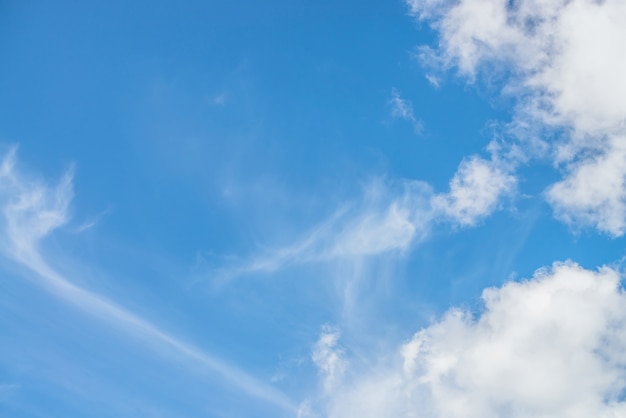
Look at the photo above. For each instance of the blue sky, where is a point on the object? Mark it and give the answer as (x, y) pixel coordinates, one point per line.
(312, 209)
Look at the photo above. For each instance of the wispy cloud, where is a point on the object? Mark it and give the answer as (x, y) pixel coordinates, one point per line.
(403, 109)
(389, 218)
(362, 244)
(31, 211)
(329, 357)
(220, 99)
(393, 216)
(90, 223)
(433, 80)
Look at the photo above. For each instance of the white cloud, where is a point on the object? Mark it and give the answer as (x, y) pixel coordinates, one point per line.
(552, 346)
(403, 109)
(433, 80)
(329, 357)
(594, 191)
(564, 62)
(475, 191)
(304, 410)
(31, 210)
(392, 220)
(95, 220)
(352, 247)
(388, 218)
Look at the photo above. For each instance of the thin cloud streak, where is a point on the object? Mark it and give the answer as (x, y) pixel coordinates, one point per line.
(403, 109)
(31, 212)
(98, 306)
(92, 222)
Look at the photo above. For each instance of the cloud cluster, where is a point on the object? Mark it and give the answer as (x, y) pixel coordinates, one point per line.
(563, 61)
(551, 346)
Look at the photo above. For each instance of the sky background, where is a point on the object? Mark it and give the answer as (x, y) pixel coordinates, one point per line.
(293, 208)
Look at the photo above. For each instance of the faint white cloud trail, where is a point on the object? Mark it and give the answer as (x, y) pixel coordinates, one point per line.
(31, 211)
(403, 109)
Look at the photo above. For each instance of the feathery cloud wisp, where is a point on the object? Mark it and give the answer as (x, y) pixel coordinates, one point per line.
(31, 211)
(403, 109)
(329, 357)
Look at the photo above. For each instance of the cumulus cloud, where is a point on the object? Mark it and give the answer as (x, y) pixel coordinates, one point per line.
(31, 210)
(594, 191)
(551, 346)
(563, 60)
(476, 190)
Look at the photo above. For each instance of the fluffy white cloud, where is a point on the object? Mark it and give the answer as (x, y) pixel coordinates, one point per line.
(552, 346)
(564, 62)
(594, 191)
(475, 191)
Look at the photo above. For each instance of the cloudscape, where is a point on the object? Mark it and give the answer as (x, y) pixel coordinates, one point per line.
(325, 209)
